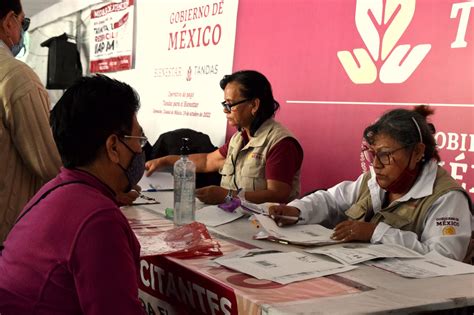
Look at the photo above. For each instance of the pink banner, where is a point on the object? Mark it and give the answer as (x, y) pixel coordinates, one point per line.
(337, 65)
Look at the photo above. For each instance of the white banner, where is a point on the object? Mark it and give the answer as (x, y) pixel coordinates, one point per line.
(111, 37)
(184, 48)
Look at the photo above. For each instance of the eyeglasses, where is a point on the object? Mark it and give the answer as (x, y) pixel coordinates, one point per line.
(228, 106)
(25, 24)
(143, 139)
(383, 157)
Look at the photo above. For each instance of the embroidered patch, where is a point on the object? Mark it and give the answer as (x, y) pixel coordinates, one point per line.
(447, 221)
(256, 155)
(449, 230)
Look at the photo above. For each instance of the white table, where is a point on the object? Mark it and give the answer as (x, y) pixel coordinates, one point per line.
(380, 291)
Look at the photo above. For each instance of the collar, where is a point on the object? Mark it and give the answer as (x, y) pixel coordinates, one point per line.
(423, 185)
(260, 135)
(77, 174)
(5, 47)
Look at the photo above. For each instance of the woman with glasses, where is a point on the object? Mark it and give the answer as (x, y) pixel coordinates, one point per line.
(405, 198)
(262, 161)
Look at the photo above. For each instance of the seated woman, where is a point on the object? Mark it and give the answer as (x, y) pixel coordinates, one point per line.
(405, 199)
(262, 161)
(72, 251)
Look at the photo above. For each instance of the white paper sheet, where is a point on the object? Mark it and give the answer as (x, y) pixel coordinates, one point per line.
(157, 181)
(354, 253)
(214, 216)
(284, 267)
(310, 234)
(432, 264)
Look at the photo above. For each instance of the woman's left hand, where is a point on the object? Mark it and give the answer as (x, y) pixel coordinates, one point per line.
(354, 231)
(211, 195)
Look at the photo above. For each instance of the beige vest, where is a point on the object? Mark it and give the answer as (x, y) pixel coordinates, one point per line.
(406, 215)
(246, 166)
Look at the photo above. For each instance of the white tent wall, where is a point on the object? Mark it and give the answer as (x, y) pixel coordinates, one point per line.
(70, 17)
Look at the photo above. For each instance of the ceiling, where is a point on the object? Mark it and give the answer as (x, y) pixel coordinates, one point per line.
(31, 7)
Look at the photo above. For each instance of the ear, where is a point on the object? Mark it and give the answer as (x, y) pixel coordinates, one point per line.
(7, 23)
(255, 106)
(419, 152)
(111, 148)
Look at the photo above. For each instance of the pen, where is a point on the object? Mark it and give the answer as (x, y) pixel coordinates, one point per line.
(151, 189)
(286, 217)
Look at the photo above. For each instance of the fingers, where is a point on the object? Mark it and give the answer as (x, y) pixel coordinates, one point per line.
(150, 167)
(284, 215)
(345, 231)
(137, 188)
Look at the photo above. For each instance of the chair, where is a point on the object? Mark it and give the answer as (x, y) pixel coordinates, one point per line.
(170, 143)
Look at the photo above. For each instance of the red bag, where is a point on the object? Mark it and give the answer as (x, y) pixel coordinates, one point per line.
(187, 241)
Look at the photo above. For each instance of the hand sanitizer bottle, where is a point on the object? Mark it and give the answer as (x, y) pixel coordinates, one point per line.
(184, 172)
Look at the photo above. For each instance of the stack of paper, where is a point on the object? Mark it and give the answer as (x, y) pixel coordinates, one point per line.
(214, 216)
(308, 235)
(432, 264)
(281, 267)
(354, 253)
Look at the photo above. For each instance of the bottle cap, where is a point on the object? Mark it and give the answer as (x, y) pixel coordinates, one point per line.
(184, 150)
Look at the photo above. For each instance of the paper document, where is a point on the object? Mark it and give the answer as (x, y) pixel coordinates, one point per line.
(214, 216)
(280, 267)
(157, 181)
(309, 234)
(432, 264)
(354, 253)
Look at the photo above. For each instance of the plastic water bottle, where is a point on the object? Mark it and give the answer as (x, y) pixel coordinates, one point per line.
(184, 172)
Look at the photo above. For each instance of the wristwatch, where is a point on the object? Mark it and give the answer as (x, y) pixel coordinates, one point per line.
(229, 196)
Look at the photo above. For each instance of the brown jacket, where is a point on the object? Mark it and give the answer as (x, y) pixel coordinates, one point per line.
(28, 156)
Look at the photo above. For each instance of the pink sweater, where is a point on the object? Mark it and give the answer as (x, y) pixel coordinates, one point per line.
(72, 253)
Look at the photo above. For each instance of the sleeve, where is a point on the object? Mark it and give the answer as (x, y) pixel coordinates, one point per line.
(31, 133)
(328, 207)
(284, 160)
(104, 266)
(224, 149)
(447, 229)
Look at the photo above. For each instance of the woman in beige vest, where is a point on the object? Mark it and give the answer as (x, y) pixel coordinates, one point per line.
(262, 160)
(405, 198)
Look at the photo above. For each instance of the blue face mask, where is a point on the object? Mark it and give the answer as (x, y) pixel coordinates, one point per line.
(21, 44)
(135, 169)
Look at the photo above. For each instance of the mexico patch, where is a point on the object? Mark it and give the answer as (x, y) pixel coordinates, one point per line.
(449, 230)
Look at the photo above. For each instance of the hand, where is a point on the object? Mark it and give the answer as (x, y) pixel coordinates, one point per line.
(354, 231)
(282, 210)
(211, 195)
(129, 197)
(152, 165)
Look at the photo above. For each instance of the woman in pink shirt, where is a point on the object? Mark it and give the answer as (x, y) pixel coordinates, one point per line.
(72, 251)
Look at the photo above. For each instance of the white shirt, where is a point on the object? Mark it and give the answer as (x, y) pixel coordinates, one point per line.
(450, 213)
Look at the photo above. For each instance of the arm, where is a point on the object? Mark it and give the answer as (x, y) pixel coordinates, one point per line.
(437, 233)
(31, 133)
(104, 266)
(328, 207)
(205, 162)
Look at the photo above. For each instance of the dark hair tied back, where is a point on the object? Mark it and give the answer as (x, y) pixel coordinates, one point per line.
(254, 85)
(399, 124)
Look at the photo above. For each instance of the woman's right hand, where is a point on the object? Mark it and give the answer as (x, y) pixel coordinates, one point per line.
(152, 165)
(281, 214)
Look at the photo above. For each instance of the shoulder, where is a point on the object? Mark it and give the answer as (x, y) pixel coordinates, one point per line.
(18, 78)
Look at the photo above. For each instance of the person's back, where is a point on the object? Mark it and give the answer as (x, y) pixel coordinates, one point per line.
(29, 156)
(62, 242)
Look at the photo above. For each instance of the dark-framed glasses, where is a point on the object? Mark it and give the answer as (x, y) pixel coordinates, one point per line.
(228, 106)
(25, 24)
(143, 139)
(384, 157)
